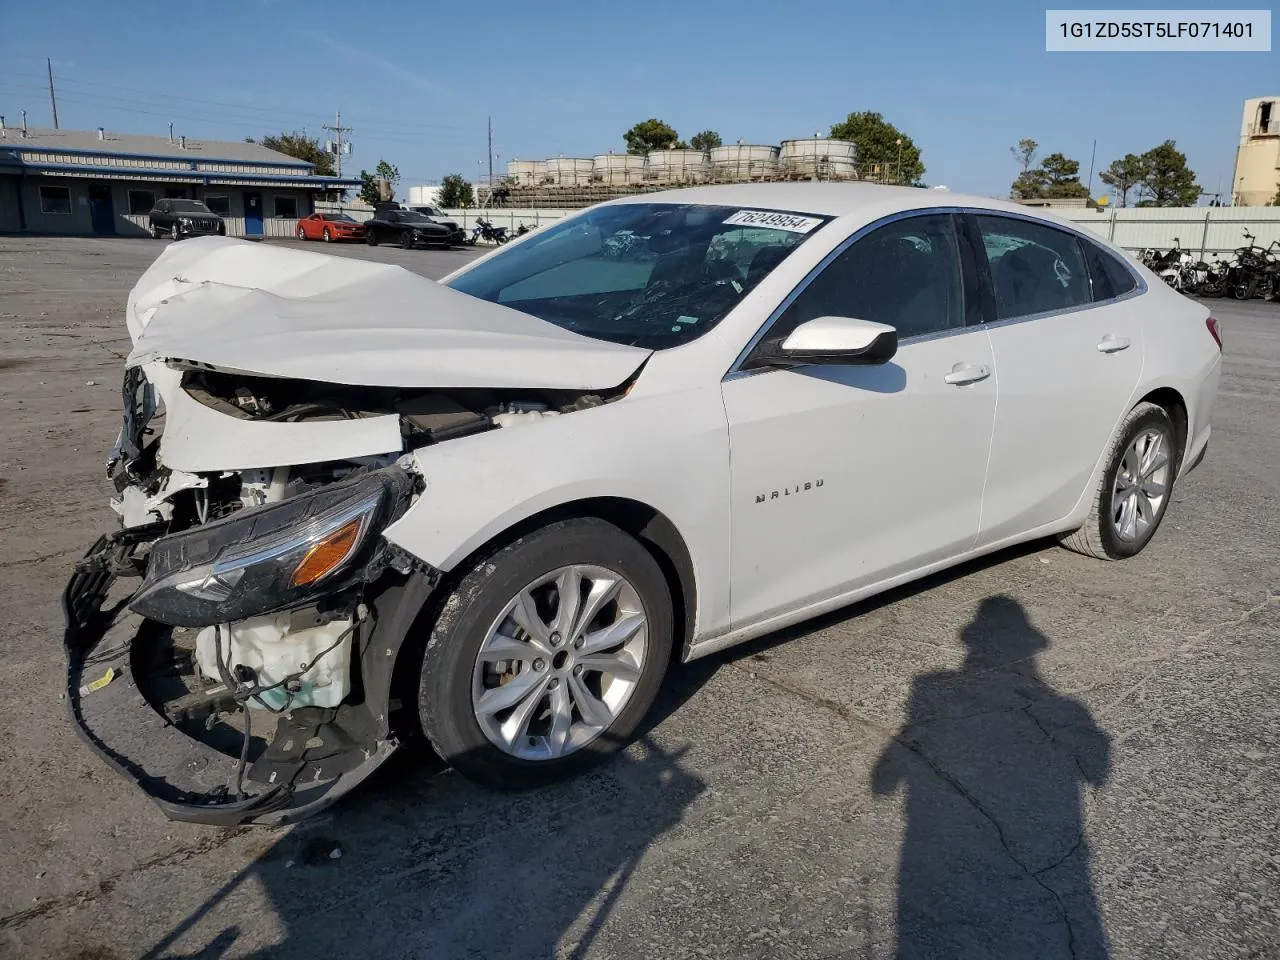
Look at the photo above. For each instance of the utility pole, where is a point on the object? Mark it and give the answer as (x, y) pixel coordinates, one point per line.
(1092, 157)
(338, 130)
(491, 153)
(53, 100)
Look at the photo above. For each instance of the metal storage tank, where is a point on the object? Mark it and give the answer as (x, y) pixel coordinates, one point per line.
(678, 166)
(821, 157)
(569, 171)
(744, 161)
(617, 168)
(527, 173)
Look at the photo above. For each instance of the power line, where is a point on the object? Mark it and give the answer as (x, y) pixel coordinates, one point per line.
(270, 111)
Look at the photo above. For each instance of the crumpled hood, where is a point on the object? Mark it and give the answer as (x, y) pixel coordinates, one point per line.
(271, 311)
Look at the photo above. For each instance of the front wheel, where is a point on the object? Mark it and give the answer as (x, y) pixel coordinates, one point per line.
(175, 233)
(406, 241)
(327, 236)
(371, 238)
(1133, 494)
(547, 655)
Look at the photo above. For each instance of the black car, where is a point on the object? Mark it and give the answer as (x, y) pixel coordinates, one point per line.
(436, 215)
(407, 228)
(178, 218)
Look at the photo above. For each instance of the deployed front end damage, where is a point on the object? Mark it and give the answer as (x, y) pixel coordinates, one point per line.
(232, 646)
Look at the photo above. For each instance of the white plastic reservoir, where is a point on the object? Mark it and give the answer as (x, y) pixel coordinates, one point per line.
(617, 168)
(678, 166)
(821, 157)
(527, 173)
(744, 161)
(278, 645)
(569, 171)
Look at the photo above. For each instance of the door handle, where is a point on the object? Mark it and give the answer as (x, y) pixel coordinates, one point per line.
(1110, 344)
(963, 373)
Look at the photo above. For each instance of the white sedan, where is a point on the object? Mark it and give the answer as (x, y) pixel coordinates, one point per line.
(497, 507)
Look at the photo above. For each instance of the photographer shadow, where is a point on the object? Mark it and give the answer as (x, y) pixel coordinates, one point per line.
(994, 762)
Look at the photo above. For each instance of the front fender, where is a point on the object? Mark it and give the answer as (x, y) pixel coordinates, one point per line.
(669, 451)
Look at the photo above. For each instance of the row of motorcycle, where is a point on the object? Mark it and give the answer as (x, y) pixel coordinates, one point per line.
(484, 230)
(1252, 271)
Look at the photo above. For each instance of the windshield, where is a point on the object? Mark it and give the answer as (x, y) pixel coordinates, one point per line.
(429, 211)
(190, 206)
(652, 275)
(339, 218)
(410, 216)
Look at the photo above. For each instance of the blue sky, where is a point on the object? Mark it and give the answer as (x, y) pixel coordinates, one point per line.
(417, 80)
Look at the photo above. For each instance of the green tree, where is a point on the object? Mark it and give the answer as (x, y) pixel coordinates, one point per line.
(369, 191)
(1123, 175)
(1030, 185)
(650, 135)
(1167, 180)
(298, 144)
(1062, 177)
(881, 145)
(1275, 201)
(455, 192)
(706, 140)
(1025, 153)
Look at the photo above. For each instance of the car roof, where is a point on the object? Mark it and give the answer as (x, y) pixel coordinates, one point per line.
(834, 199)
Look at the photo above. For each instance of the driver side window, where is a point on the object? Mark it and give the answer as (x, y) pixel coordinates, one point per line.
(905, 274)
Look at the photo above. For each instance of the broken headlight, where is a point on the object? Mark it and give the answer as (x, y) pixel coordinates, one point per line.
(271, 557)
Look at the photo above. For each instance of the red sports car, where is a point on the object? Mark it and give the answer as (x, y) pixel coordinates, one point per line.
(329, 226)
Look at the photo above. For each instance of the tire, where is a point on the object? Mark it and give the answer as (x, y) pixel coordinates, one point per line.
(453, 677)
(301, 234)
(1104, 535)
(406, 240)
(326, 236)
(174, 233)
(370, 238)
(156, 232)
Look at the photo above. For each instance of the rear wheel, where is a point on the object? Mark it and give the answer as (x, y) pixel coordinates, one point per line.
(547, 655)
(1133, 494)
(302, 233)
(156, 232)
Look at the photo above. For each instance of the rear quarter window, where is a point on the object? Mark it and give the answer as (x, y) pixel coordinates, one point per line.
(1110, 277)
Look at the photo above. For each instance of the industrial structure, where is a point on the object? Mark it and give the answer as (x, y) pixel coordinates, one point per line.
(567, 182)
(1256, 180)
(98, 182)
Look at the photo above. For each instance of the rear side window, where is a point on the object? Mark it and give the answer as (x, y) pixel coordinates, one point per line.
(1110, 277)
(1034, 268)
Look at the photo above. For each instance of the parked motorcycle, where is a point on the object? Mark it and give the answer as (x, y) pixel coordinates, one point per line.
(484, 230)
(1217, 278)
(523, 229)
(1256, 270)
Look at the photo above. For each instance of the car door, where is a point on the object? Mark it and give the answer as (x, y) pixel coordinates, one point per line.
(160, 214)
(845, 476)
(1068, 362)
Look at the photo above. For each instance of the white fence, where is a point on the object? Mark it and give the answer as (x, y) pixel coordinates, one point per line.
(274, 228)
(1203, 230)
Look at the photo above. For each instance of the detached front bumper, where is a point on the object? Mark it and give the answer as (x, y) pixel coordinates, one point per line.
(313, 757)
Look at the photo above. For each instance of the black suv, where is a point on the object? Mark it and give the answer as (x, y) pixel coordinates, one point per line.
(178, 218)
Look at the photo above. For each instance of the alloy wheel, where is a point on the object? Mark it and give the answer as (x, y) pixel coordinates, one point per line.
(560, 662)
(1142, 485)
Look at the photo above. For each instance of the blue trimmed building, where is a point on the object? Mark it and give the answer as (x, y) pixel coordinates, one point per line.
(95, 182)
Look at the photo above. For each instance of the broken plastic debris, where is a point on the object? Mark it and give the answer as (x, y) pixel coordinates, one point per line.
(91, 383)
(98, 684)
(335, 853)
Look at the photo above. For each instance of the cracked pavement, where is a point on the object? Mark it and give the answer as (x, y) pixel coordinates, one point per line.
(1035, 755)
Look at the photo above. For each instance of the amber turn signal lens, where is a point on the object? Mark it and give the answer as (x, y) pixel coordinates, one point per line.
(328, 554)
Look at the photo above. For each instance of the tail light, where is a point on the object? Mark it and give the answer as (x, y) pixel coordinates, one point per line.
(1215, 331)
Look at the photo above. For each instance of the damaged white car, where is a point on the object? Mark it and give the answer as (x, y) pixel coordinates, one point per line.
(355, 503)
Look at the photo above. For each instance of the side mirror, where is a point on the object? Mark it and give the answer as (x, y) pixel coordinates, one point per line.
(833, 340)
